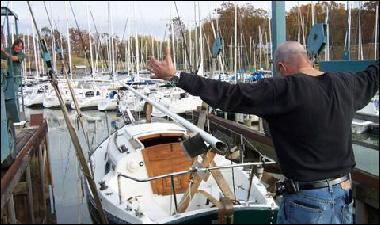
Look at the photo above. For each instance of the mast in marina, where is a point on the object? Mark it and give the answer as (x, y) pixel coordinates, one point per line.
(201, 63)
(34, 48)
(376, 30)
(68, 43)
(327, 21)
(137, 47)
(235, 61)
(89, 39)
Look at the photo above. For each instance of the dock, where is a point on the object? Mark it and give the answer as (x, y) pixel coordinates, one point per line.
(26, 186)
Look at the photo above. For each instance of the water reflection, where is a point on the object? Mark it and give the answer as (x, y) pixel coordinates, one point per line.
(70, 200)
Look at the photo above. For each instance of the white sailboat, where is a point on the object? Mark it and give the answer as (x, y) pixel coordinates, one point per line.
(142, 172)
(35, 95)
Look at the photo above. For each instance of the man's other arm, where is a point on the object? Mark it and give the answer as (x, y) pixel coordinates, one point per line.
(366, 84)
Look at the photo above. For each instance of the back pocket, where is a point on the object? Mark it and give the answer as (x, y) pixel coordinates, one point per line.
(302, 212)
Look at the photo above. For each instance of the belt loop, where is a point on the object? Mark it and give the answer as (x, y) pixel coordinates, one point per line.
(349, 177)
(330, 186)
(297, 186)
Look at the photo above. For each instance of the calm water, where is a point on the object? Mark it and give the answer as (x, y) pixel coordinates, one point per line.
(70, 202)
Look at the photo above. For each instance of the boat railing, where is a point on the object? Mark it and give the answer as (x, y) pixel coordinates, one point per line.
(190, 171)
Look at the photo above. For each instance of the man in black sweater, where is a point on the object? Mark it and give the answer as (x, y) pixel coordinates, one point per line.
(309, 115)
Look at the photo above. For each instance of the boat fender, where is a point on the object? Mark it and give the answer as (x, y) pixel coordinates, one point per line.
(132, 165)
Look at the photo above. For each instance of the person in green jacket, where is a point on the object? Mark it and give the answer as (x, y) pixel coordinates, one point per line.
(16, 56)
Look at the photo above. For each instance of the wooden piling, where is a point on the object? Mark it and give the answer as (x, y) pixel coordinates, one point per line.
(25, 183)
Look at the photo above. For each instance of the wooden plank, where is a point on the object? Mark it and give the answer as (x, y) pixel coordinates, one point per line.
(30, 194)
(222, 183)
(20, 189)
(42, 177)
(11, 210)
(49, 174)
(23, 137)
(182, 206)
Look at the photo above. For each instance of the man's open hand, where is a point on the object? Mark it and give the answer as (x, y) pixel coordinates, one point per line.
(162, 69)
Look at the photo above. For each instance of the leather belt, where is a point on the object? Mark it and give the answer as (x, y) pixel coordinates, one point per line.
(291, 187)
(320, 183)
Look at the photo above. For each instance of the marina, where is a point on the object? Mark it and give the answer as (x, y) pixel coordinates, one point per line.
(90, 135)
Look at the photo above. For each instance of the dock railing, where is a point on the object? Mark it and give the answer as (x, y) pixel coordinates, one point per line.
(26, 185)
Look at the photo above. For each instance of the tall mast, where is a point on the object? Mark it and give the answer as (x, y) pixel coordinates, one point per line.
(312, 14)
(201, 66)
(196, 36)
(68, 42)
(54, 54)
(260, 46)
(172, 38)
(112, 47)
(190, 47)
(254, 55)
(89, 39)
(360, 43)
(349, 28)
(327, 53)
(266, 52)
(34, 48)
(137, 47)
(235, 65)
(376, 28)
(270, 37)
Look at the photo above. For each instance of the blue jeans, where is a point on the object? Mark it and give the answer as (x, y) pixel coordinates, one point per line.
(324, 205)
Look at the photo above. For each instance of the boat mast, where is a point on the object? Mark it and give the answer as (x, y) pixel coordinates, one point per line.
(360, 43)
(376, 28)
(235, 61)
(34, 48)
(260, 46)
(172, 40)
(327, 53)
(89, 39)
(201, 65)
(137, 47)
(68, 42)
(270, 37)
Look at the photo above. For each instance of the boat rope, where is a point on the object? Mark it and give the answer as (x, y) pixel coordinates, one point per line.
(73, 135)
(80, 115)
(81, 39)
(184, 40)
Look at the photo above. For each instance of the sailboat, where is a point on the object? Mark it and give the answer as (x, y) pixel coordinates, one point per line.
(143, 175)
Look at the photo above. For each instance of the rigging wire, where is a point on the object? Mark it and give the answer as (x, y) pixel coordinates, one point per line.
(81, 39)
(184, 39)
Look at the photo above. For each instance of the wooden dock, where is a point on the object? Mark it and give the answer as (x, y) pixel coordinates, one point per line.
(26, 186)
(365, 185)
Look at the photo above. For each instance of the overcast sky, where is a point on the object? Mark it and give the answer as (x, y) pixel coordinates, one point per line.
(150, 16)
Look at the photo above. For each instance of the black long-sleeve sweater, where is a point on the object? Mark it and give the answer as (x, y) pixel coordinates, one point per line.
(309, 116)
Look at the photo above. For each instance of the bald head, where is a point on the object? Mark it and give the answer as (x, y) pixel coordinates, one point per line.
(289, 57)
